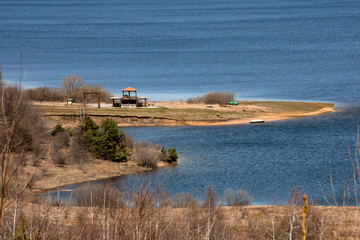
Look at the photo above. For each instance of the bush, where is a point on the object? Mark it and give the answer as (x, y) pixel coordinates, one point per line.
(46, 94)
(237, 198)
(16, 111)
(146, 156)
(182, 200)
(213, 98)
(57, 156)
(105, 142)
(78, 154)
(62, 140)
(173, 157)
(58, 128)
(96, 195)
(170, 155)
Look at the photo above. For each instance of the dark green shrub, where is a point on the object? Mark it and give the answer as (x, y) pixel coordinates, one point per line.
(112, 142)
(88, 124)
(58, 128)
(170, 155)
(173, 157)
(105, 142)
(91, 133)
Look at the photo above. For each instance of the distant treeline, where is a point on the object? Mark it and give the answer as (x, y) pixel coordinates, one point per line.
(71, 87)
(54, 94)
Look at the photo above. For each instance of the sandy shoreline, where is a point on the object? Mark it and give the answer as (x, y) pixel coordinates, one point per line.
(62, 175)
(265, 117)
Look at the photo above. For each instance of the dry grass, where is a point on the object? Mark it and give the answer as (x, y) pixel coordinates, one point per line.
(105, 215)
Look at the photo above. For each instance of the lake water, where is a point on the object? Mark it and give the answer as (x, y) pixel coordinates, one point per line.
(168, 49)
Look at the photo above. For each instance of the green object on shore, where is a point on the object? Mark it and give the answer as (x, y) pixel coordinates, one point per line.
(233, 103)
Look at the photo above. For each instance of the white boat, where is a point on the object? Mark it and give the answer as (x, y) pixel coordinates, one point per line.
(257, 121)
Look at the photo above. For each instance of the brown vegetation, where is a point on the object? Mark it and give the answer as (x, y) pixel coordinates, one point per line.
(20, 130)
(147, 155)
(148, 212)
(213, 98)
(72, 87)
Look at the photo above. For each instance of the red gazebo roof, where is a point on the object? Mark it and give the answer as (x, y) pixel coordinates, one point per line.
(129, 89)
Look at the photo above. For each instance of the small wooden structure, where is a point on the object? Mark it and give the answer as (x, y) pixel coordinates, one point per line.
(92, 92)
(129, 99)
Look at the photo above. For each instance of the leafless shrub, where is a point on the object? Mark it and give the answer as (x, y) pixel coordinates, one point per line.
(105, 215)
(68, 150)
(213, 218)
(146, 218)
(289, 225)
(95, 195)
(213, 98)
(129, 141)
(62, 140)
(183, 200)
(236, 198)
(195, 100)
(46, 94)
(20, 125)
(39, 147)
(140, 144)
(15, 109)
(78, 154)
(57, 156)
(146, 156)
(104, 95)
(72, 87)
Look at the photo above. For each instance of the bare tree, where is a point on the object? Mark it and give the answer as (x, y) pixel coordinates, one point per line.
(71, 83)
(211, 215)
(236, 198)
(16, 137)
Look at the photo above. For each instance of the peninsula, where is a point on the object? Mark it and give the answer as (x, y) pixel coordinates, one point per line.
(178, 113)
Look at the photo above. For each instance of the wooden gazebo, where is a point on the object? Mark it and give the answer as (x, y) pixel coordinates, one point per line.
(129, 99)
(127, 92)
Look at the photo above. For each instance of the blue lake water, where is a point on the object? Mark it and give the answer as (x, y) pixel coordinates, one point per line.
(265, 160)
(169, 49)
